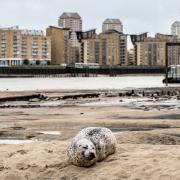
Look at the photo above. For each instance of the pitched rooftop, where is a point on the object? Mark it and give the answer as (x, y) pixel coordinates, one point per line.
(112, 21)
(176, 24)
(70, 15)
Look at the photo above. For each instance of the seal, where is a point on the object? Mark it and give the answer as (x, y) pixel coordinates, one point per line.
(91, 145)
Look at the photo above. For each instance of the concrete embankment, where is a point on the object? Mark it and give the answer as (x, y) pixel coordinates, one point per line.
(36, 71)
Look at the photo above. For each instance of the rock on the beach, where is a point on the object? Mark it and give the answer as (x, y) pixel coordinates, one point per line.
(34, 100)
(91, 145)
(178, 97)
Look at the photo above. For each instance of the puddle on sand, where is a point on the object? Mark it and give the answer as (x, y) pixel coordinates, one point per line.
(50, 132)
(137, 102)
(15, 141)
(118, 133)
(2, 125)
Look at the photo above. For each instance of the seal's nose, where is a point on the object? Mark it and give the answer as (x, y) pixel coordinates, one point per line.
(92, 156)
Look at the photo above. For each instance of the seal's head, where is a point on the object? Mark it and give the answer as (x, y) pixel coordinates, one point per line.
(85, 153)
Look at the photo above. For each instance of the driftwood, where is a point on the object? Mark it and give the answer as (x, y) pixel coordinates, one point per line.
(22, 98)
(76, 96)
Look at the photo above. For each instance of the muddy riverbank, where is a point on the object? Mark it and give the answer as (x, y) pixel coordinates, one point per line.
(145, 122)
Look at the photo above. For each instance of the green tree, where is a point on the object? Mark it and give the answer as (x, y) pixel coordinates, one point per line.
(38, 62)
(48, 63)
(26, 62)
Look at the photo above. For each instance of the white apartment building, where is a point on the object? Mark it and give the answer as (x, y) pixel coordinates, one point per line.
(175, 28)
(73, 22)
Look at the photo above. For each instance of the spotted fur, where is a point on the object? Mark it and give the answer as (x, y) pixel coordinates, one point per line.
(91, 145)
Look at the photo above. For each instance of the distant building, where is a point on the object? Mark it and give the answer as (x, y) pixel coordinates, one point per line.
(17, 45)
(73, 22)
(151, 51)
(91, 50)
(113, 48)
(175, 28)
(89, 46)
(60, 46)
(112, 24)
(135, 38)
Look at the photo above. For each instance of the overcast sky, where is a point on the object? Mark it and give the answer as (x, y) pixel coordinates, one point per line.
(137, 15)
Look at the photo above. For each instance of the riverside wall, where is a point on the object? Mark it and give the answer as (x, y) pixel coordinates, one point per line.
(72, 71)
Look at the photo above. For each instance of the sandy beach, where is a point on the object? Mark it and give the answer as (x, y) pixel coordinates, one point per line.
(148, 140)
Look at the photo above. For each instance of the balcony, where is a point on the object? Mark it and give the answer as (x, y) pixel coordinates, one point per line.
(45, 50)
(3, 45)
(4, 39)
(34, 43)
(34, 51)
(3, 50)
(44, 47)
(3, 42)
(15, 45)
(15, 54)
(34, 54)
(15, 49)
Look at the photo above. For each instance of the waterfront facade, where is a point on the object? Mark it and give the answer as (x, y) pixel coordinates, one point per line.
(112, 24)
(151, 51)
(73, 22)
(113, 48)
(174, 55)
(91, 50)
(67, 44)
(60, 45)
(17, 45)
(89, 46)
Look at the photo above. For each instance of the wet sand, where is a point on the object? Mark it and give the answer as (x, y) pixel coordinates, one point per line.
(29, 123)
(148, 142)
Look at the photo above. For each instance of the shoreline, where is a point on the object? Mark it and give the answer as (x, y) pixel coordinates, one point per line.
(69, 76)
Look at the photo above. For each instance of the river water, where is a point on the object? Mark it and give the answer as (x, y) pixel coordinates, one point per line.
(80, 83)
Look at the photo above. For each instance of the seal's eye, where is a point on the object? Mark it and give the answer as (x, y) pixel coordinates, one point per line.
(85, 147)
(80, 146)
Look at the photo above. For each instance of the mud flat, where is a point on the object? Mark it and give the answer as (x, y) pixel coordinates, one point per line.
(148, 140)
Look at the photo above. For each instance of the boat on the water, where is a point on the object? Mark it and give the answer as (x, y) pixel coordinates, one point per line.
(173, 74)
